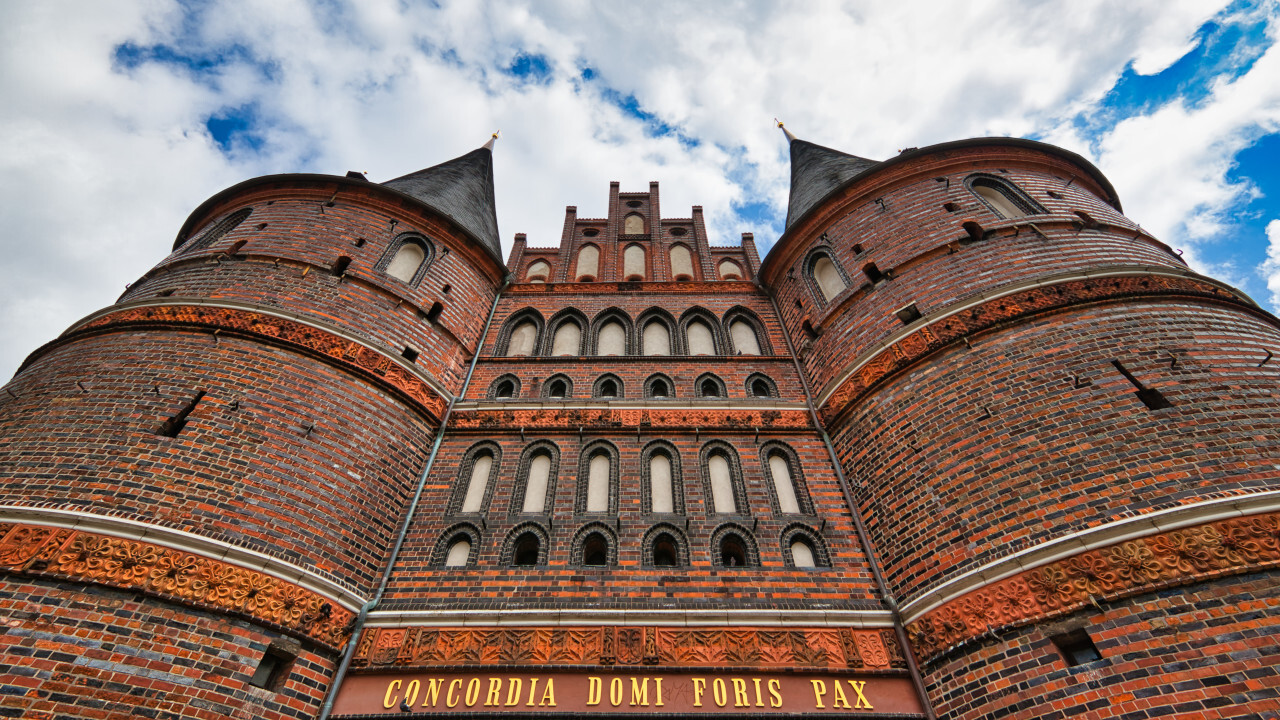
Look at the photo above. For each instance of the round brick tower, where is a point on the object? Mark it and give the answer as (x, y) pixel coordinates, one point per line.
(1064, 442)
(202, 483)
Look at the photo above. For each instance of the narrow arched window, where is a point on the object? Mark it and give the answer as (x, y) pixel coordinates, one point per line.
(783, 485)
(709, 388)
(657, 387)
(701, 340)
(607, 386)
(504, 389)
(660, 485)
(595, 550)
(744, 338)
(588, 263)
(829, 280)
(536, 484)
(598, 471)
(526, 550)
(404, 265)
(729, 270)
(666, 552)
(733, 551)
(557, 388)
(995, 197)
(478, 483)
(459, 552)
(523, 339)
(760, 388)
(633, 263)
(567, 340)
(633, 224)
(681, 262)
(538, 272)
(721, 477)
(802, 554)
(612, 339)
(657, 338)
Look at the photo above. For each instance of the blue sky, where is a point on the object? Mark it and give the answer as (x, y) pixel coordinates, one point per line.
(121, 117)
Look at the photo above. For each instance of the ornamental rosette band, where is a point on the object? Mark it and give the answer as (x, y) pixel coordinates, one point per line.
(620, 418)
(173, 575)
(1168, 559)
(675, 647)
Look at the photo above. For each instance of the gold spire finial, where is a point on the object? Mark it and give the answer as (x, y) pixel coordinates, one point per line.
(784, 130)
(492, 138)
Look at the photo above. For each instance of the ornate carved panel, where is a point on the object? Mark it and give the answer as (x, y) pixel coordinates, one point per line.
(572, 418)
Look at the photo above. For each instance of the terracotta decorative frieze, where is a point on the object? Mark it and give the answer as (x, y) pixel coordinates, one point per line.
(174, 575)
(598, 418)
(334, 349)
(676, 647)
(717, 287)
(1167, 559)
(914, 346)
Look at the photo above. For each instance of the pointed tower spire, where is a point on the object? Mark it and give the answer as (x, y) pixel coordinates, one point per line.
(784, 130)
(492, 139)
(815, 172)
(462, 190)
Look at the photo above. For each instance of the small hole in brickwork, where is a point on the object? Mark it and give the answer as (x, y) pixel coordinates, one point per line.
(236, 246)
(434, 312)
(590, 232)
(908, 314)
(809, 332)
(165, 293)
(175, 424)
(1151, 397)
(683, 278)
(359, 242)
(272, 669)
(857, 248)
(262, 226)
(873, 273)
(340, 266)
(634, 203)
(446, 289)
(409, 353)
(586, 278)
(635, 278)
(975, 231)
(679, 231)
(950, 206)
(1088, 220)
(1055, 195)
(1077, 647)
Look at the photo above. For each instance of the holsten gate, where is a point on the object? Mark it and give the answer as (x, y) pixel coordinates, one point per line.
(966, 443)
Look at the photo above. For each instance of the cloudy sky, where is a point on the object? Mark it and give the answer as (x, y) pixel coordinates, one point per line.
(119, 118)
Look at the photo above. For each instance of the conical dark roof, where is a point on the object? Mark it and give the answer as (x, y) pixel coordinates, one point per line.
(462, 190)
(815, 172)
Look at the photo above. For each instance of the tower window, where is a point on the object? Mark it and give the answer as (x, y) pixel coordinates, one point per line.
(588, 263)
(595, 550)
(523, 339)
(681, 262)
(1002, 197)
(633, 225)
(732, 551)
(802, 554)
(710, 386)
(538, 272)
(408, 259)
(633, 263)
(657, 386)
(557, 389)
(527, 550)
(665, 553)
(459, 552)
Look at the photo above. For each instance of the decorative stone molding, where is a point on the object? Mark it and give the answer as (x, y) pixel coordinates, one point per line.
(676, 647)
(174, 575)
(1167, 559)
(907, 349)
(597, 418)
(689, 287)
(341, 352)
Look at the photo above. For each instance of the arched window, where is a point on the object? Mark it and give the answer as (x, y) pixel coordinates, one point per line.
(597, 478)
(760, 386)
(504, 388)
(607, 386)
(702, 341)
(743, 335)
(710, 386)
(722, 480)
(539, 271)
(526, 546)
(519, 336)
(662, 488)
(405, 263)
(803, 547)
(457, 546)
(681, 262)
(567, 340)
(633, 224)
(475, 479)
(612, 339)
(588, 263)
(729, 270)
(788, 491)
(829, 279)
(219, 230)
(459, 552)
(535, 479)
(593, 546)
(658, 386)
(657, 338)
(557, 387)
(731, 547)
(633, 263)
(664, 546)
(1005, 200)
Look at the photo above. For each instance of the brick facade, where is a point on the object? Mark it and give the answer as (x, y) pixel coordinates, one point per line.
(1058, 443)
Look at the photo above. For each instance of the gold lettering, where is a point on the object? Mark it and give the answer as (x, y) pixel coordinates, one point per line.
(775, 693)
(449, 699)
(432, 695)
(388, 701)
(719, 692)
(759, 700)
(699, 687)
(838, 696)
(473, 691)
(819, 690)
(658, 691)
(639, 692)
(533, 686)
(514, 686)
(594, 690)
(494, 698)
(862, 701)
(549, 695)
(615, 692)
(740, 693)
(411, 692)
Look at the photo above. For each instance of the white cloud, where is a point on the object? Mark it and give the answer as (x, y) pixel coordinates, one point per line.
(1270, 268)
(100, 166)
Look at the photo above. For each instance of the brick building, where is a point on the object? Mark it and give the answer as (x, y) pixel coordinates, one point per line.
(967, 443)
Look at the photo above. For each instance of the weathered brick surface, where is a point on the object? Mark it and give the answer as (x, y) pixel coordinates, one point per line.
(1204, 651)
(92, 653)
